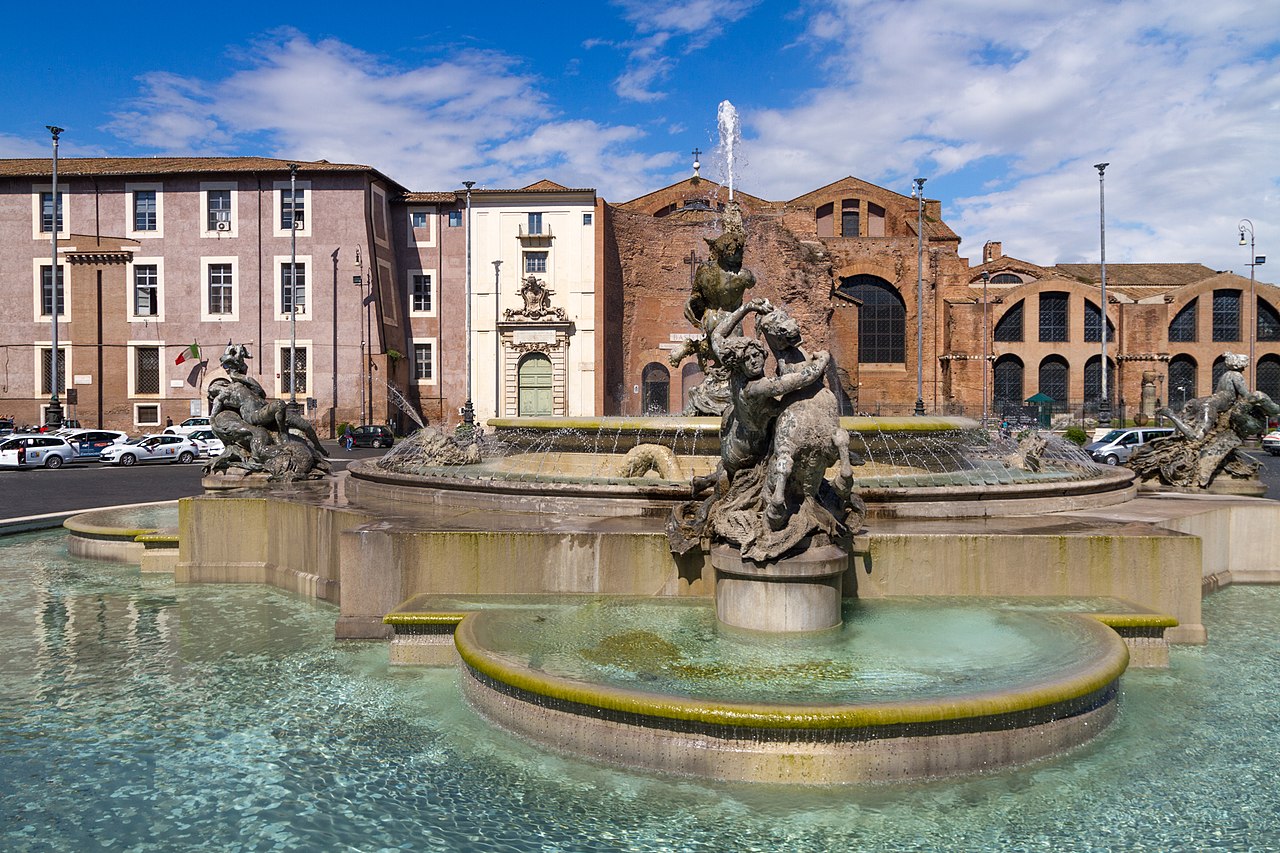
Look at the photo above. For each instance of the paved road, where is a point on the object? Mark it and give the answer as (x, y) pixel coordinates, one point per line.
(85, 485)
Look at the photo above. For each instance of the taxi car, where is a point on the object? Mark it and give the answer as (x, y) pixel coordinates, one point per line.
(152, 448)
(30, 451)
(209, 442)
(188, 426)
(90, 443)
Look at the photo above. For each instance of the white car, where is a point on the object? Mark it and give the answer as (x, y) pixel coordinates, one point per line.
(89, 443)
(30, 451)
(210, 443)
(1271, 442)
(188, 426)
(152, 448)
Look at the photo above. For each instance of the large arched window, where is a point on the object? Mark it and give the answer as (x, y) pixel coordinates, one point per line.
(1093, 381)
(1053, 316)
(1009, 326)
(1006, 278)
(1268, 322)
(1226, 315)
(1182, 380)
(656, 384)
(534, 385)
(691, 376)
(881, 320)
(1269, 376)
(1219, 368)
(1006, 385)
(1093, 324)
(1182, 329)
(1053, 380)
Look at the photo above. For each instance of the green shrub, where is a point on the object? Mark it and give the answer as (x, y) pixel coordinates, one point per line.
(1076, 435)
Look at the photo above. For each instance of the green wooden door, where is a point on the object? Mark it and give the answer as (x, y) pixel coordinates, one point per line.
(535, 385)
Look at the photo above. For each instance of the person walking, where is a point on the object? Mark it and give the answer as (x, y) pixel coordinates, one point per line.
(348, 437)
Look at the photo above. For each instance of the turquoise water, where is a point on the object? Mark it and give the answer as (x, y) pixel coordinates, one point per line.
(139, 715)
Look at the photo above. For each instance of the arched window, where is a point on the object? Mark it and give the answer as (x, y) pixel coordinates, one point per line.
(1219, 368)
(534, 385)
(1006, 385)
(1268, 322)
(1053, 317)
(1269, 376)
(1009, 327)
(826, 219)
(1006, 278)
(1182, 380)
(1226, 316)
(875, 220)
(656, 395)
(1182, 329)
(881, 320)
(1053, 380)
(1093, 325)
(691, 376)
(1093, 381)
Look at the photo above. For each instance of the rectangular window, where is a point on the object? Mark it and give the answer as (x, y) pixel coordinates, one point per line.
(146, 372)
(535, 223)
(423, 365)
(293, 288)
(586, 219)
(288, 211)
(146, 415)
(46, 212)
(535, 261)
(455, 219)
(144, 210)
(46, 291)
(418, 219)
(46, 369)
(1226, 316)
(221, 288)
(849, 218)
(1053, 317)
(294, 380)
(421, 292)
(146, 290)
(219, 208)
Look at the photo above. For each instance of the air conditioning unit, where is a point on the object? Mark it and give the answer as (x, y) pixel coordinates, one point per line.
(222, 225)
(298, 223)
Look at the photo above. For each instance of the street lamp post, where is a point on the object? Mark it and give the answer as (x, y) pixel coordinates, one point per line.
(497, 343)
(468, 409)
(1247, 225)
(1104, 405)
(919, 182)
(364, 358)
(986, 278)
(53, 415)
(293, 285)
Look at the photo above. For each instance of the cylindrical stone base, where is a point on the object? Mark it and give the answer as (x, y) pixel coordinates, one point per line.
(801, 593)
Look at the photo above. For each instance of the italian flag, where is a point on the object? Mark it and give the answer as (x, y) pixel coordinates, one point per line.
(192, 351)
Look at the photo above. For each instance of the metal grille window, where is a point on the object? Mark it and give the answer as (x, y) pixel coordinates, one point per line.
(423, 362)
(46, 291)
(1226, 316)
(1268, 322)
(1053, 317)
(146, 290)
(288, 211)
(1269, 376)
(1006, 385)
(221, 289)
(1093, 381)
(295, 380)
(1093, 323)
(657, 389)
(1006, 278)
(144, 210)
(46, 212)
(1009, 327)
(1053, 380)
(46, 369)
(1182, 329)
(535, 261)
(849, 217)
(293, 288)
(219, 207)
(881, 320)
(1182, 380)
(146, 375)
(421, 292)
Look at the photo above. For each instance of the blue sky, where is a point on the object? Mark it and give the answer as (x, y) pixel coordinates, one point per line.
(1004, 105)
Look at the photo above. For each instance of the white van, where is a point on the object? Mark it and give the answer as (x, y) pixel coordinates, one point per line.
(1118, 445)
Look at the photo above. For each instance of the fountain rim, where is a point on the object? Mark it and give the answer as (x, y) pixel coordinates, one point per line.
(662, 423)
(1108, 662)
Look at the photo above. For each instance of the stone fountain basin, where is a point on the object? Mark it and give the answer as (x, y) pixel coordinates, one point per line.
(909, 688)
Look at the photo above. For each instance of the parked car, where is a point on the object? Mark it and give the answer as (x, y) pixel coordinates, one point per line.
(89, 443)
(372, 435)
(30, 451)
(188, 426)
(68, 423)
(1118, 445)
(152, 448)
(209, 443)
(1271, 442)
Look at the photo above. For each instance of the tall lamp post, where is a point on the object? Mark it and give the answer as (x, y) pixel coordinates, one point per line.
(468, 410)
(1104, 405)
(1254, 260)
(986, 278)
(53, 414)
(497, 342)
(293, 285)
(919, 182)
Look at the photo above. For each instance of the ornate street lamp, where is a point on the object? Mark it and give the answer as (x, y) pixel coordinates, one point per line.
(986, 278)
(497, 342)
(53, 414)
(468, 409)
(293, 285)
(919, 193)
(1104, 405)
(1246, 225)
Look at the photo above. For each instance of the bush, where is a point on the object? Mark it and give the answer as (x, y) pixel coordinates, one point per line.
(1076, 435)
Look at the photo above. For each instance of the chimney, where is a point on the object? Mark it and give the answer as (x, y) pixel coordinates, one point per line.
(992, 251)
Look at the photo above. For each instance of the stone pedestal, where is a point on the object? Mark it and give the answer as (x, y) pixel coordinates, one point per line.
(801, 593)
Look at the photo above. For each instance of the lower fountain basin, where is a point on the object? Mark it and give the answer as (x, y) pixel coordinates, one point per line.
(908, 688)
